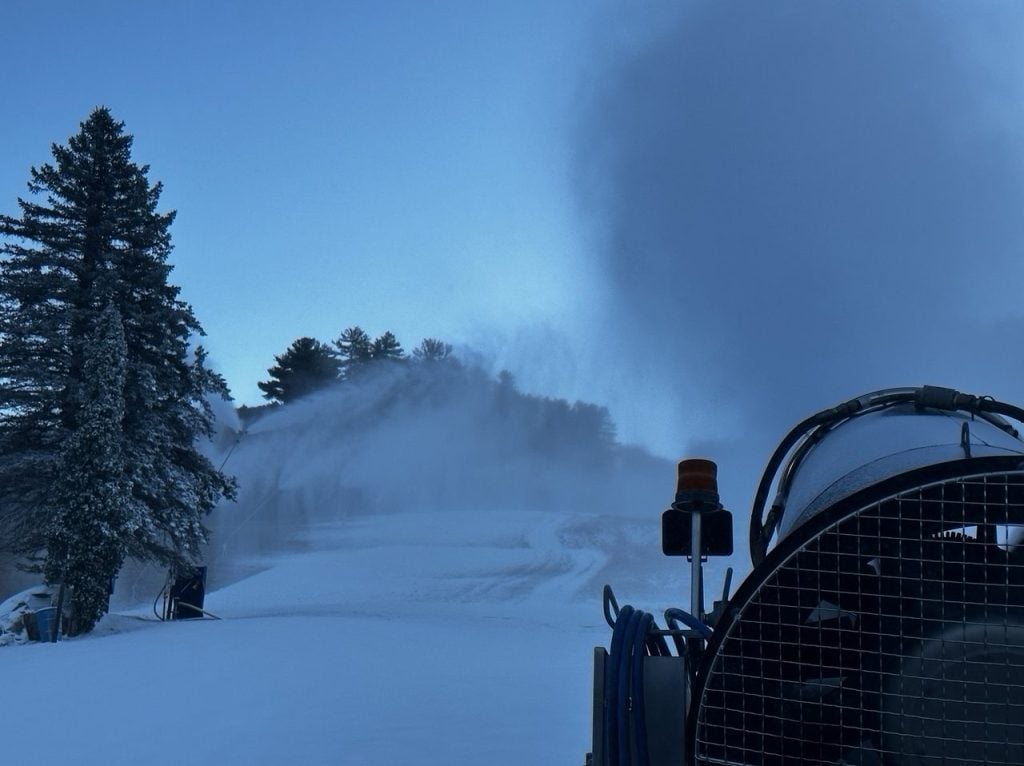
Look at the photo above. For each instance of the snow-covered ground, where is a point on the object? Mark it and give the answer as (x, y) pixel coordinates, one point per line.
(443, 638)
(374, 610)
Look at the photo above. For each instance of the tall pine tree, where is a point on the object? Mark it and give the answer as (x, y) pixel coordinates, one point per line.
(387, 348)
(355, 350)
(307, 366)
(432, 350)
(90, 237)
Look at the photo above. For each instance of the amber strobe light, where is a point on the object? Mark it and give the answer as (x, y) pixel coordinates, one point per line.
(683, 527)
(697, 480)
(696, 493)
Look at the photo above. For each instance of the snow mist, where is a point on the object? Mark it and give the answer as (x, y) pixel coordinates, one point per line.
(400, 441)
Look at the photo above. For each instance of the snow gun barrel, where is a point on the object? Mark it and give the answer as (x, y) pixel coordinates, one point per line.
(882, 622)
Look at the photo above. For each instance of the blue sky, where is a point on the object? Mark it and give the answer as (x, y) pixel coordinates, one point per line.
(714, 217)
(397, 165)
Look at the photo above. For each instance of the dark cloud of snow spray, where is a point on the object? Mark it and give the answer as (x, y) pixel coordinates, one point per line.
(798, 202)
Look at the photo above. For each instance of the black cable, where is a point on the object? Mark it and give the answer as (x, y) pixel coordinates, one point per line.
(762, 527)
(161, 617)
(238, 438)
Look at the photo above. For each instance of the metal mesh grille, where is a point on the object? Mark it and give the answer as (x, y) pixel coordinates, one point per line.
(894, 636)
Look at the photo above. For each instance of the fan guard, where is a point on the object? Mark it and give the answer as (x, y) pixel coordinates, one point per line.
(888, 630)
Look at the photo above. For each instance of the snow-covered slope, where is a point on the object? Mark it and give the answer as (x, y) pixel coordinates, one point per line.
(391, 634)
(460, 638)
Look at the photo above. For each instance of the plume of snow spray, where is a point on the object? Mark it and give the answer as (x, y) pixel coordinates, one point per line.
(428, 442)
(797, 202)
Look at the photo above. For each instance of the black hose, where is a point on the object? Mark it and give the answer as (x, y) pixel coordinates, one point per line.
(639, 706)
(672, 614)
(623, 699)
(238, 438)
(758, 530)
(611, 685)
(158, 595)
(609, 604)
(763, 527)
(656, 644)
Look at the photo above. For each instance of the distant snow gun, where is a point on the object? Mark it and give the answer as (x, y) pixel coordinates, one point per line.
(183, 595)
(882, 623)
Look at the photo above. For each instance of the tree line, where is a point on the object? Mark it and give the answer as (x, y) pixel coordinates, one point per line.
(309, 365)
(432, 373)
(432, 377)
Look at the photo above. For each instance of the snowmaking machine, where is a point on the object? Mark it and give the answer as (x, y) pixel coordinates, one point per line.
(882, 623)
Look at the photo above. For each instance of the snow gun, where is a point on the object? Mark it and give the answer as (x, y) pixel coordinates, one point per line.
(882, 623)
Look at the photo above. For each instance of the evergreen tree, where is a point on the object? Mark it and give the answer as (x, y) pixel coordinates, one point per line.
(91, 238)
(433, 350)
(354, 345)
(387, 348)
(357, 350)
(354, 348)
(593, 423)
(92, 512)
(307, 366)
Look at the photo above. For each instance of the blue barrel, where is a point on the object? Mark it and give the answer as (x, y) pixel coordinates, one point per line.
(46, 622)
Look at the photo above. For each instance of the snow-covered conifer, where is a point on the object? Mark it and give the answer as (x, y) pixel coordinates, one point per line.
(90, 239)
(92, 514)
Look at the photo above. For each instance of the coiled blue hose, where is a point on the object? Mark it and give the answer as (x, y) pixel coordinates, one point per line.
(639, 708)
(635, 635)
(611, 684)
(622, 701)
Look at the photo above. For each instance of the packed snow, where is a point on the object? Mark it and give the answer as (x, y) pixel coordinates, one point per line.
(391, 635)
(455, 638)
